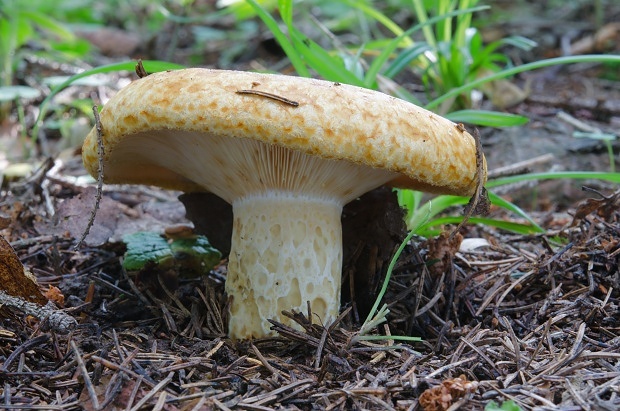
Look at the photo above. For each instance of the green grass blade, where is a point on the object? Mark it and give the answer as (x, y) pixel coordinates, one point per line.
(519, 228)
(507, 205)
(555, 175)
(422, 15)
(431, 208)
(379, 17)
(379, 61)
(285, 9)
(588, 58)
(48, 24)
(328, 66)
(405, 58)
(282, 39)
(487, 118)
(388, 274)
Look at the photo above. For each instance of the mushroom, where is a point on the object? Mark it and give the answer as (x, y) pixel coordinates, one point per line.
(287, 153)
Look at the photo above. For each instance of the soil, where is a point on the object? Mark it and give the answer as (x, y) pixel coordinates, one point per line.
(530, 318)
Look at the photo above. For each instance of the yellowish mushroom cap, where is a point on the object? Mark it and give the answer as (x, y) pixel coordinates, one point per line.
(335, 121)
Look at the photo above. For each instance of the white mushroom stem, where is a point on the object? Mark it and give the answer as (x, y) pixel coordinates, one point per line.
(286, 247)
(286, 251)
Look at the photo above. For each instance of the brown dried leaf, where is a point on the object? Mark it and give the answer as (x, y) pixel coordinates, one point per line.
(113, 221)
(55, 295)
(72, 218)
(14, 279)
(4, 222)
(441, 397)
(604, 207)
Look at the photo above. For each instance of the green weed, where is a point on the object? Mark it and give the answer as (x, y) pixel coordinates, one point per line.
(509, 405)
(21, 24)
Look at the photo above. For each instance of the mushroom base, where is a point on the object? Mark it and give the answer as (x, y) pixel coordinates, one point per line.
(286, 251)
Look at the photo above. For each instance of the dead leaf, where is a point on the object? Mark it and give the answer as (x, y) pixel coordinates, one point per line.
(111, 41)
(442, 397)
(4, 222)
(114, 219)
(604, 39)
(604, 207)
(72, 217)
(13, 278)
(55, 295)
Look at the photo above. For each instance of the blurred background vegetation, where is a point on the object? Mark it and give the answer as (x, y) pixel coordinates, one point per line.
(460, 58)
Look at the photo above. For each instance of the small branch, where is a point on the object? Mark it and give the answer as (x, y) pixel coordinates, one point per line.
(89, 385)
(479, 203)
(57, 320)
(100, 155)
(140, 71)
(271, 96)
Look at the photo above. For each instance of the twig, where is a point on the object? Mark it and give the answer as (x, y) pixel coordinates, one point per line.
(270, 96)
(98, 194)
(140, 71)
(519, 167)
(21, 349)
(264, 361)
(479, 203)
(89, 385)
(57, 320)
(577, 123)
(134, 392)
(450, 365)
(319, 349)
(153, 391)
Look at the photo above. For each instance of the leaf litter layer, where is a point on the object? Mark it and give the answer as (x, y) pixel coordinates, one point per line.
(528, 318)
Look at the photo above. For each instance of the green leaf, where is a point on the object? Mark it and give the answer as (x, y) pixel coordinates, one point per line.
(243, 10)
(427, 230)
(145, 247)
(509, 405)
(285, 7)
(403, 39)
(427, 211)
(520, 42)
(151, 66)
(595, 135)
(190, 256)
(404, 58)
(500, 202)
(329, 67)
(195, 255)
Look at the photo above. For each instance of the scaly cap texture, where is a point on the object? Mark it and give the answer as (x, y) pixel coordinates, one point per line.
(330, 120)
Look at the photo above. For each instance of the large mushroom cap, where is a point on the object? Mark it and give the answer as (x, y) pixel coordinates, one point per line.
(330, 120)
(287, 153)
